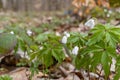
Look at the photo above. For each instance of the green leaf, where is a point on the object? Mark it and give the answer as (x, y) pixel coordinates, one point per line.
(93, 48)
(111, 51)
(41, 38)
(47, 58)
(58, 55)
(115, 30)
(111, 39)
(98, 27)
(106, 63)
(96, 37)
(117, 75)
(33, 56)
(77, 39)
(95, 60)
(5, 77)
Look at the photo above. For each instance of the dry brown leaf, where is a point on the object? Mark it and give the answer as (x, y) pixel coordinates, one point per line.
(19, 74)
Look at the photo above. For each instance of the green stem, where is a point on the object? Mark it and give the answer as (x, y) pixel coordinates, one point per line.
(66, 50)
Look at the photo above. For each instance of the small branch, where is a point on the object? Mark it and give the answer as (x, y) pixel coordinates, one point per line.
(65, 73)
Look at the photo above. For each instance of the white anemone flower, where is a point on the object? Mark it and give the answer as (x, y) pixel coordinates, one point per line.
(11, 32)
(90, 23)
(75, 50)
(29, 32)
(112, 68)
(108, 15)
(64, 40)
(66, 34)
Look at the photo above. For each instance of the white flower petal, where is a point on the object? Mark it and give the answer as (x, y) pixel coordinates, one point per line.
(66, 34)
(11, 32)
(108, 15)
(29, 32)
(90, 23)
(75, 50)
(112, 68)
(64, 40)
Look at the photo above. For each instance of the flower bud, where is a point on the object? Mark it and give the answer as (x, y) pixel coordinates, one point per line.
(11, 32)
(66, 34)
(29, 32)
(64, 40)
(90, 23)
(75, 50)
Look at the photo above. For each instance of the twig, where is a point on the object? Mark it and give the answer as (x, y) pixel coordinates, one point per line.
(88, 72)
(65, 73)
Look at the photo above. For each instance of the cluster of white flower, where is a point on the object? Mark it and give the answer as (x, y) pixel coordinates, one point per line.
(64, 39)
(90, 23)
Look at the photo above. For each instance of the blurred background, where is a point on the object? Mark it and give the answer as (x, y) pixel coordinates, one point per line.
(59, 12)
(35, 5)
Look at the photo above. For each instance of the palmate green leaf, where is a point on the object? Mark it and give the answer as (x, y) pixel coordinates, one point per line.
(73, 41)
(96, 37)
(115, 30)
(97, 28)
(41, 38)
(93, 48)
(111, 51)
(95, 61)
(46, 57)
(105, 60)
(82, 62)
(58, 55)
(112, 35)
(7, 42)
(98, 34)
(117, 76)
(84, 58)
(52, 50)
(111, 39)
(107, 32)
(77, 38)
